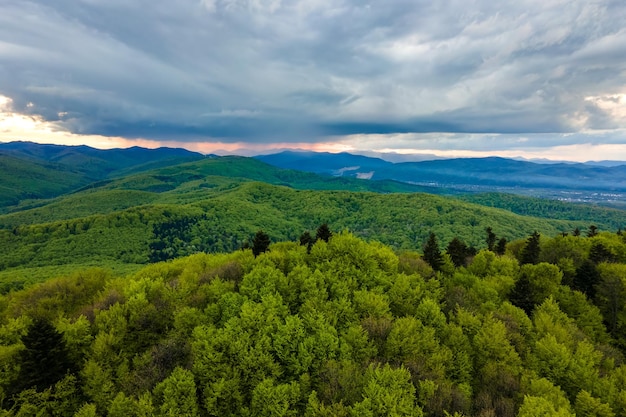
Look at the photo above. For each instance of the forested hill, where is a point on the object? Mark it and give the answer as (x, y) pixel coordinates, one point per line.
(345, 328)
(34, 171)
(222, 216)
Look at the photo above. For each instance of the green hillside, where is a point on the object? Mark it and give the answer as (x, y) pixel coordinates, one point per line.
(551, 209)
(346, 329)
(31, 172)
(223, 217)
(22, 179)
(181, 184)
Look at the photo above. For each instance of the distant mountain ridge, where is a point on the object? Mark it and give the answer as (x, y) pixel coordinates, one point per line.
(33, 171)
(557, 180)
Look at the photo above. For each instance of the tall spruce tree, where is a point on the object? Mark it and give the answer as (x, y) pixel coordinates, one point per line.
(307, 240)
(491, 239)
(260, 243)
(432, 254)
(501, 246)
(532, 250)
(323, 233)
(45, 359)
(458, 252)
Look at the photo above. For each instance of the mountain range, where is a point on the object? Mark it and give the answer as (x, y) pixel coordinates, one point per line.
(566, 181)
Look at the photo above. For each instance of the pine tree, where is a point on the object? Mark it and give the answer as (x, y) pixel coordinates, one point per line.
(45, 358)
(586, 279)
(501, 246)
(530, 253)
(432, 254)
(599, 253)
(491, 239)
(458, 252)
(522, 294)
(260, 243)
(323, 233)
(307, 240)
(593, 231)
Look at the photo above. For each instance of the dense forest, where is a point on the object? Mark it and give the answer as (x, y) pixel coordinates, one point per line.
(224, 214)
(329, 325)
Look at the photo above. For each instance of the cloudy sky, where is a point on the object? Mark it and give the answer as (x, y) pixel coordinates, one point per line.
(532, 78)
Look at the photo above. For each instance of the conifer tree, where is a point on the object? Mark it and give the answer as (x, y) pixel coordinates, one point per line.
(432, 254)
(593, 231)
(260, 243)
(522, 294)
(458, 252)
(530, 253)
(323, 233)
(491, 239)
(45, 358)
(501, 246)
(307, 240)
(586, 278)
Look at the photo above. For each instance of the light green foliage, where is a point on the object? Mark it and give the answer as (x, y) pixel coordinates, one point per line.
(588, 406)
(541, 407)
(388, 392)
(270, 400)
(349, 329)
(178, 393)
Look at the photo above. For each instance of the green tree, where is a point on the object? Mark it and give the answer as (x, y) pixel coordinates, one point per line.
(501, 246)
(532, 250)
(388, 393)
(586, 279)
(593, 231)
(458, 252)
(307, 240)
(432, 254)
(491, 239)
(588, 406)
(323, 233)
(45, 358)
(260, 243)
(179, 394)
(599, 253)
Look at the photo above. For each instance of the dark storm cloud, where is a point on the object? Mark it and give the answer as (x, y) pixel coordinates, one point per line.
(266, 70)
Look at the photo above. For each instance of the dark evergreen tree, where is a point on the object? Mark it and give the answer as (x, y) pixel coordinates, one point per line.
(501, 246)
(576, 232)
(599, 253)
(530, 253)
(522, 294)
(491, 239)
(260, 243)
(307, 240)
(458, 252)
(432, 254)
(45, 359)
(593, 231)
(586, 279)
(323, 233)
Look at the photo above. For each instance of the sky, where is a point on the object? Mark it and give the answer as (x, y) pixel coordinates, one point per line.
(527, 78)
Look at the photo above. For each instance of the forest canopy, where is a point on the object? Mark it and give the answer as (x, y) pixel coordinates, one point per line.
(344, 327)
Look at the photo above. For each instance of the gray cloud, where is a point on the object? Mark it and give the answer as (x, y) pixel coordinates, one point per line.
(266, 70)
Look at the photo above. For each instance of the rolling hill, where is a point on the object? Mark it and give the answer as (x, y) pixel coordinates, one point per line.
(31, 171)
